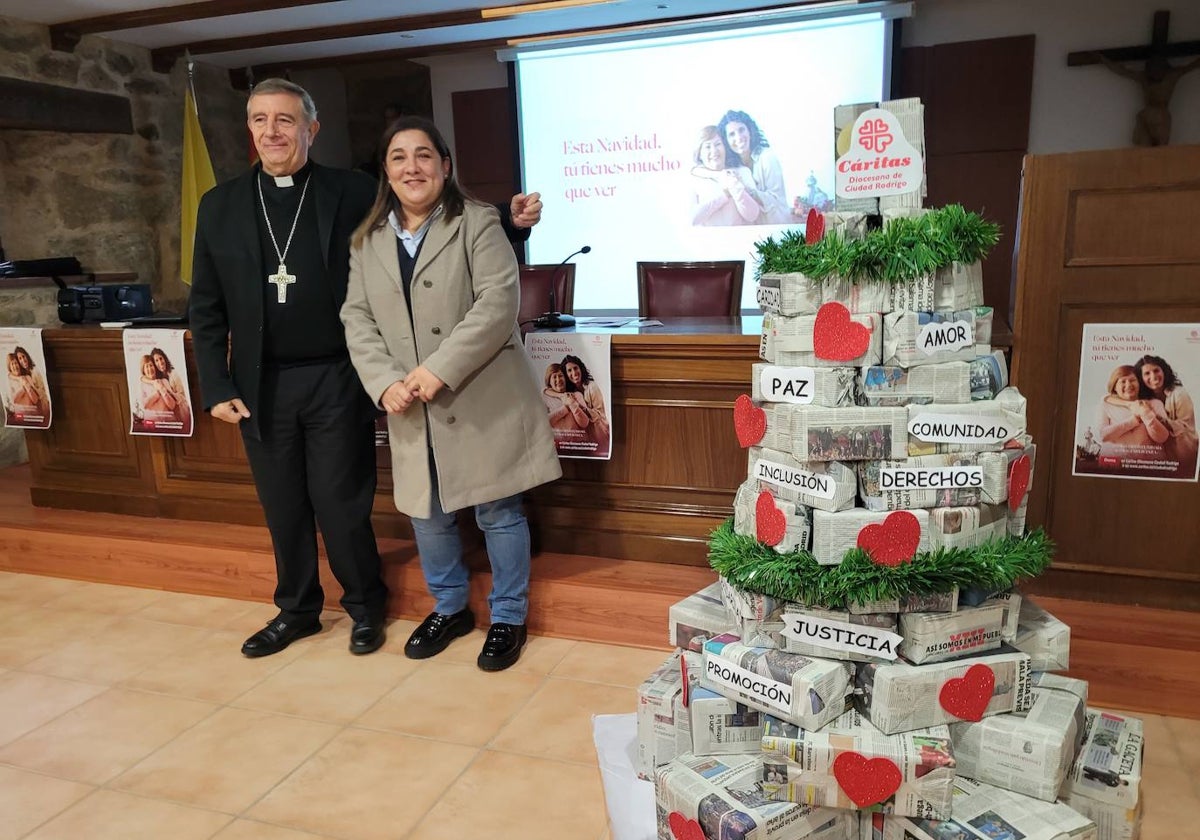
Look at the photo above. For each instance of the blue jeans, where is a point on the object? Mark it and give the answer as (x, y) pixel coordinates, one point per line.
(506, 533)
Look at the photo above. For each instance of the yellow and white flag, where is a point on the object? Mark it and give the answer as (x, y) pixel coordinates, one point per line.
(198, 179)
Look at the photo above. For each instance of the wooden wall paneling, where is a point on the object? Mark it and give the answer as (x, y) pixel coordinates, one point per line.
(483, 140)
(977, 98)
(1121, 540)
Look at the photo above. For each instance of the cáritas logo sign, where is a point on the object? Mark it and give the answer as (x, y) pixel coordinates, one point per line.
(880, 160)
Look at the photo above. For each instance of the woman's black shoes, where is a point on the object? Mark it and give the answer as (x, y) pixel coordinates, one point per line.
(436, 633)
(503, 647)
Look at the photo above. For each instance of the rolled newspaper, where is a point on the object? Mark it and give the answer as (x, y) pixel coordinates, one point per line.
(981, 426)
(911, 339)
(982, 812)
(657, 734)
(788, 294)
(805, 691)
(784, 526)
(957, 286)
(834, 534)
(826, 386)
(1011, 603)
(723, 797)
(826, 768)
(697, 618)
(937, 637)
(829, 634)
(857, 296)
(719, 725)
(793, 341)
(893, 385)
(1027, 752)
(826, 485)
(927, 602)
(1109, 765)
(953, 479)
(1043, 637)
(897, 697)
(848, 434)
(989, 375)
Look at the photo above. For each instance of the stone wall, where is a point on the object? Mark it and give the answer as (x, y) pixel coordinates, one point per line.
(112, 200)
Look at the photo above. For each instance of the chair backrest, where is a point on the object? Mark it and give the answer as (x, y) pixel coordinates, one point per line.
(689, 289)
(535, 290)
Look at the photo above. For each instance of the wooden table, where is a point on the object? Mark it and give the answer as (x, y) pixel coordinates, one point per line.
(674, 469)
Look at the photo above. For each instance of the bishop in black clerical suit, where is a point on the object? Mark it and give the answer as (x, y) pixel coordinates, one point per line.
(269, 278)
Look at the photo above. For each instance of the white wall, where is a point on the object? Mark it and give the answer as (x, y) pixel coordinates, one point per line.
(463, 71)
(1073, 108)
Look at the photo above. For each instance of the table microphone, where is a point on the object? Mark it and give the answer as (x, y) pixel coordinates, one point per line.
(555, 320)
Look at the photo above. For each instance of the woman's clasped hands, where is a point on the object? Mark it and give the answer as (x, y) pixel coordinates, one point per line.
(420, 384)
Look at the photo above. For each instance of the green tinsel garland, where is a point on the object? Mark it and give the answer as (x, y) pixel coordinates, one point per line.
(995, 565)
(907, 248)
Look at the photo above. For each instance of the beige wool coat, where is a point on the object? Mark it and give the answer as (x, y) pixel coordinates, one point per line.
(488, 427)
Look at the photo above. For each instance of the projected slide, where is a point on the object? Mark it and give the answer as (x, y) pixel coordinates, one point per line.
(687, 147)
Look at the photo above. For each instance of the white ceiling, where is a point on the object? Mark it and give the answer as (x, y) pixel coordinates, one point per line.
(323, 15)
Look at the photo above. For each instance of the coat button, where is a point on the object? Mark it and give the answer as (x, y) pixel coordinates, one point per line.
(428, 284)
(450, 420)
(436, 330)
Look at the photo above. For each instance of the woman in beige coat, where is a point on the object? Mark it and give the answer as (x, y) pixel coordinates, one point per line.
(430, 319)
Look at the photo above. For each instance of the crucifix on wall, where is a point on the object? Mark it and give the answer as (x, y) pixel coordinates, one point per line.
(1157, 77)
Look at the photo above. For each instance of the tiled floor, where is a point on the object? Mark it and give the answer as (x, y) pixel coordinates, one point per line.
(129, 713)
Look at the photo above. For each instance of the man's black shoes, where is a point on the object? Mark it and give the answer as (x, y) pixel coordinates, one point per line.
(278, 634)
(502, 648)
(367, 635)
(436, 633)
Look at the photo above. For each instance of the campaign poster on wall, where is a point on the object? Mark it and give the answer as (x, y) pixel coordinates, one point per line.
(160, 401)
(26, 393)
(1135, 417)
(574, 370)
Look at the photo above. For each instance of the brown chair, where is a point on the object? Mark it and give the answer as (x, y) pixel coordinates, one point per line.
(689, 289)
(535, 291)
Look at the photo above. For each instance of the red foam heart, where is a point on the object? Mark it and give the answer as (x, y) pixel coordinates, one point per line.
(684, 829)
(769, 521)
(1018, 481)
(836, 337)
(749, 421)
(893, 541)
(814, 227)
(967, 697)
(866, 780)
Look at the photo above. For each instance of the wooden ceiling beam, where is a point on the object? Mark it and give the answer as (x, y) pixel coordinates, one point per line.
(164, 58)
(65, 36)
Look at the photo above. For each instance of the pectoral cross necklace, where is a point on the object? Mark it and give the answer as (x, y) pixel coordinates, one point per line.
(281, 279)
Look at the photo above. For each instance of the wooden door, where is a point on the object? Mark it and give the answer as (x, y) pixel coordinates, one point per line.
(1106, 237)
(977, 98)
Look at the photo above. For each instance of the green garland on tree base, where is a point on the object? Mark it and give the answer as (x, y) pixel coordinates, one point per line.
(796, 576)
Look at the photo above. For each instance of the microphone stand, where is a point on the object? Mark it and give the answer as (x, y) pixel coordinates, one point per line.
(555, 320)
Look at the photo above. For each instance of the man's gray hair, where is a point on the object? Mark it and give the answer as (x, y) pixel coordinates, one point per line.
(284, 86)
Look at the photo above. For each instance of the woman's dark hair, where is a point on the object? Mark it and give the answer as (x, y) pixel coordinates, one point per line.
(21, 351)
(157, 351)
(1170, 380)
(454, 197)
(757, 140)
(585, 376)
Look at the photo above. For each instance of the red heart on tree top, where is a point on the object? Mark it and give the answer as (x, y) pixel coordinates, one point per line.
(893, 541)
(866, 781)
(1018, 481)
(684, 829)
(814, 227)
(769, 522)
(836, 337)
(749, 421)
(967, 697)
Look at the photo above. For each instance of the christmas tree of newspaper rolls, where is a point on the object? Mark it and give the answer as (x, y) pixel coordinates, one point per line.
(834, 565)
